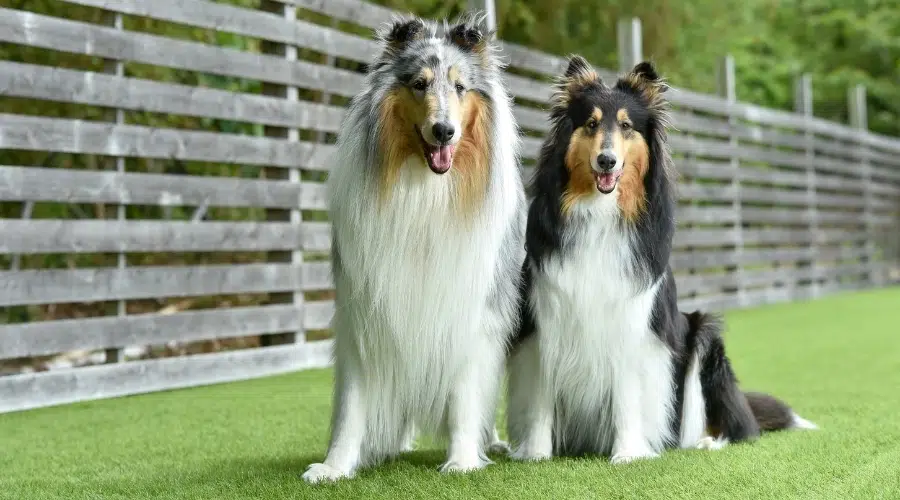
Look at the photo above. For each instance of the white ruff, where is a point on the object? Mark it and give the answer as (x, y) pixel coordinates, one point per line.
(608, 376)
(416, 343)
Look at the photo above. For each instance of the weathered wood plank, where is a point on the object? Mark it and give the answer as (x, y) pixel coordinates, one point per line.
(704, 237)
(50, 286)
(241, 21)
(91, 186)
(721, 171)
(34, 390)
(365, 14)
(43, 236)
(773, 196)
(778, 177)
(705, 215)
(531, 147)
(42, 338)
(770, 236)
(98, 89)
(77, 136)
(780, 215)
(27, 28)
(706, 192)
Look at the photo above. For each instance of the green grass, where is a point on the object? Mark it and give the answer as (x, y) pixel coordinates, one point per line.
(836, 360)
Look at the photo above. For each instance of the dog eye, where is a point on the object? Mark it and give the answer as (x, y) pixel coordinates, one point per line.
(420, 85)
(625, 126)
(592, 124)
(460, 88)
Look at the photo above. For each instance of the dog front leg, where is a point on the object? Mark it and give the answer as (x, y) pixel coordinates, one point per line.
(467, 415)
(629, 443)
(530, 412)
(348, 432)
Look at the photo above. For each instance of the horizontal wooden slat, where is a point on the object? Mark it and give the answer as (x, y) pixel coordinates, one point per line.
(705, 215)
(77, 136)
(365, 14)
(705, 237)
(91, 186)
(774, 196)
(247, 22)
(42, 338)
(49, 286)
(705, 169)
(47, 32)
(56, 387)
(706, 192)
(98, 89)
(84, 236)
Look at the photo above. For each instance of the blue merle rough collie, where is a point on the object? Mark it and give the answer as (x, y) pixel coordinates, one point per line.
(428, 216)
(605, 363)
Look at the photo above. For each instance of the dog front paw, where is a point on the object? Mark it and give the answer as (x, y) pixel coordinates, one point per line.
(629, 455)
(528, 454)
(454, 465)
(321, 473)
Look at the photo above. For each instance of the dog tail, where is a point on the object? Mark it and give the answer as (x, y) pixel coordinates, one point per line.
(772, 414)
(731, 413)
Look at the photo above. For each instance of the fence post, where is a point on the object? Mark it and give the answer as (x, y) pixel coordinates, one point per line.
(856, 98)
(727, 88)
(630, 44)
(489, 10)
(803, 104)
(289, 52)
(117, 68)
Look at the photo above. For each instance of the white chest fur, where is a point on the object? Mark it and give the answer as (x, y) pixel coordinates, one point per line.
(593, 317)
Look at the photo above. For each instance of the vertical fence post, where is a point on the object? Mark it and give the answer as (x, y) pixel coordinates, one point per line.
(856, 98)
(628, 33)
(803, 104)
(489, 10)
(289, 52)
(117, 68)
(727, 88)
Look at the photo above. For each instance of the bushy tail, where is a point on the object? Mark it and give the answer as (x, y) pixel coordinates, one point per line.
(772, 414)
(731, 413)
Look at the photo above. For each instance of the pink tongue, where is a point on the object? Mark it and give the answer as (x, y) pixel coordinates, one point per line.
(606, 182)
(442, 157)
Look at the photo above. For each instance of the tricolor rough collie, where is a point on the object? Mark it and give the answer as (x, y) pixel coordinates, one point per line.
(428, 214)
(605, 363)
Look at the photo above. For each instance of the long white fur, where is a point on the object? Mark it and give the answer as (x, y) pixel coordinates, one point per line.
(603, 381)
(416, 343)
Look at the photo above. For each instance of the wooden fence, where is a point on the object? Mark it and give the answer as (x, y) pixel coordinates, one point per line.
(165, 218)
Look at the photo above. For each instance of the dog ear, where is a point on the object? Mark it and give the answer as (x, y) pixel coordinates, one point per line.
(468, 37)
(645, 79)
(577, 65)
(403, 32)
(578, 75)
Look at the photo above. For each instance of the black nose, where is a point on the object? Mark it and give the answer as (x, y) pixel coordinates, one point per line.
(443, 131)
(606, 161)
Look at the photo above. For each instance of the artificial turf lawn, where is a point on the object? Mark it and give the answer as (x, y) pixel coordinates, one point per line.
(836, 360)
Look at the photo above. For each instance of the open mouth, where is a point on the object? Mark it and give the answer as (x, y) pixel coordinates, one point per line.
(607, 181)
(439, 158)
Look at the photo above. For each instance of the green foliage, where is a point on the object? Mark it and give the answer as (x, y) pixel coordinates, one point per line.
(841, 42)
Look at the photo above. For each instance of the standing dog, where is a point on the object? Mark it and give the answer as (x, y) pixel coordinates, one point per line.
(605, 362)
(428, 216)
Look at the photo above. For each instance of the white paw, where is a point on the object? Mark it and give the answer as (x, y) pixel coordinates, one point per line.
(711, 443)
(499, 447)
(525, 454)
(465, 465)
(320, 473)
(630, 455)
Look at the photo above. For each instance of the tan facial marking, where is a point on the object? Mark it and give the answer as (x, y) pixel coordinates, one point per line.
(583, 146)
(632, 147)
